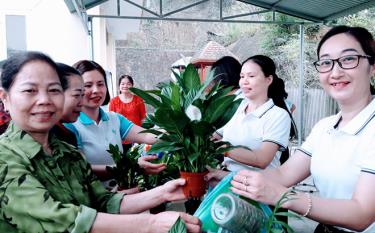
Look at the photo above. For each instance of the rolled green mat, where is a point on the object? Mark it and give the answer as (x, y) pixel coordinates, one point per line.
(236, 215)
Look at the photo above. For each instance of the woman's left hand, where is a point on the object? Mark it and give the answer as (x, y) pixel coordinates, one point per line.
(151, 168)
(256, 186)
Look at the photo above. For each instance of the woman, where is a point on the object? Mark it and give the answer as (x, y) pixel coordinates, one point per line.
(261, 123)
(227, 71)
(130, 106)
(72, 103)
(96, 129)
(339, 153)
(46, 185)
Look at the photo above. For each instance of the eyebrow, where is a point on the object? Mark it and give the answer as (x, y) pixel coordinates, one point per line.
(344, 51)
(36, 84)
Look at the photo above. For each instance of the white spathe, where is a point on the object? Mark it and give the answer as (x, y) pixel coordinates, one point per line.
(193, 113)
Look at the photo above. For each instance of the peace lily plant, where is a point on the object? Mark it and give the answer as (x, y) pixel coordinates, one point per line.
(185, 118)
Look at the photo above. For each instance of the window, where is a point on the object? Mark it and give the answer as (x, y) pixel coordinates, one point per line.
(15, 33)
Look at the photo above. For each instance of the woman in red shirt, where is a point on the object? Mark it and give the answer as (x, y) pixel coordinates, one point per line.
(129, 105)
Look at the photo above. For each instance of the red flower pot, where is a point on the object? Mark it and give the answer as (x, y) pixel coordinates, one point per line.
(195, 186)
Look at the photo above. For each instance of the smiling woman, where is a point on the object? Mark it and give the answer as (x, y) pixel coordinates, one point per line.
(96, 129)
(339, 153)
(50, 177)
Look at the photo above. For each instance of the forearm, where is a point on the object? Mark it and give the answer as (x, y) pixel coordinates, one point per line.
(332, 211)
(101, 172)
(111, 223)
(137, 203)
(251, 158)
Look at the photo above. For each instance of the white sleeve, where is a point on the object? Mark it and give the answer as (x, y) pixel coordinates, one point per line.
(277, 129)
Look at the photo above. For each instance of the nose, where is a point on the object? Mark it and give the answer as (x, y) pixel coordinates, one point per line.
(44, 97)
(95, 88)
(336, 71)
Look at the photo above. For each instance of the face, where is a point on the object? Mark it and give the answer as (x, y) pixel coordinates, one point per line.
(35, 100)
(345, 86)
(95, 89)
(125, 84)
(73, 99)
(253, 83)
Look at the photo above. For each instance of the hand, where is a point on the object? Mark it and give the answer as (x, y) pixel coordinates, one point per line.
(150, 168)
(172, 190)
(256, 186)
(163, 222)
(214, 176)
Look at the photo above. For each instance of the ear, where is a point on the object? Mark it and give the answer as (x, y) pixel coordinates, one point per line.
(4, 97)
(269, 79)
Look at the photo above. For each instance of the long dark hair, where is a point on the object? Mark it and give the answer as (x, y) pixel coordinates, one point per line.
(227, 71)
(276, 91)
(84, 66)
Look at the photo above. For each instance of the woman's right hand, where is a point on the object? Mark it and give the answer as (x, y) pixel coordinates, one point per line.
(214, 176)
(163, 222)
(150, 168)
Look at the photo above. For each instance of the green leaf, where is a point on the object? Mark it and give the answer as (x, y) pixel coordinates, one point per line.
(180, 82)
(217, 108)
(191, 78)
(149, 99)
(171, 120)
(178, 227)
(228, 114)
(201, 128)
(163, 146)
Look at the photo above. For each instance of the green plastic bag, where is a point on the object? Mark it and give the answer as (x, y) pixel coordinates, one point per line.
(204, 210)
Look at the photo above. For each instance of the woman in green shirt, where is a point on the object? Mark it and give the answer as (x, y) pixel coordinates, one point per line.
(45, 184)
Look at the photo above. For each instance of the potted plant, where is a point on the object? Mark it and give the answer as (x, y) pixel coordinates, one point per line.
(185, 118)
(127, 172)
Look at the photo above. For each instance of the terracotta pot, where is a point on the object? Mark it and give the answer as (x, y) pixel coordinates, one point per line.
(195, 186)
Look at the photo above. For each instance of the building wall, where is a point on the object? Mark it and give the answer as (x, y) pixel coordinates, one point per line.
(50, 28)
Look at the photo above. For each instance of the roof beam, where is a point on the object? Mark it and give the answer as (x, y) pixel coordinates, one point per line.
(197, 20)
(79, 8)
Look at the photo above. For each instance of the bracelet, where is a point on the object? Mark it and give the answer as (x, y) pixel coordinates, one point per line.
(309, 205)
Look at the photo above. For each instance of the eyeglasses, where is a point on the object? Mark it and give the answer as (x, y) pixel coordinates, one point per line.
(345, 62)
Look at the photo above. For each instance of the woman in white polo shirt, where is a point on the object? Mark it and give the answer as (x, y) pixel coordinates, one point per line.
(340, 150)
(96, 128)
(261, 123)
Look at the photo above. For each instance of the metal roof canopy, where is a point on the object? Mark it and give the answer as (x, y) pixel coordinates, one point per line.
(309, 11)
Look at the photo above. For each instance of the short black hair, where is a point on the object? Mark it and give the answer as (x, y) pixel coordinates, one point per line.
(66, 71)
(14, 64)
(126, 76)
(84, 66)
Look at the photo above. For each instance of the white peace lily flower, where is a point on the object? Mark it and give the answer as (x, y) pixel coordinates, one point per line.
(193, 113)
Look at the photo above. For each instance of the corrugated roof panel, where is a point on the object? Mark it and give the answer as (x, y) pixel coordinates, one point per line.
(315, 10)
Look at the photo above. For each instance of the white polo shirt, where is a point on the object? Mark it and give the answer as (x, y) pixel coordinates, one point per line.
(339, 156)
(268, 123)
(94, 139)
